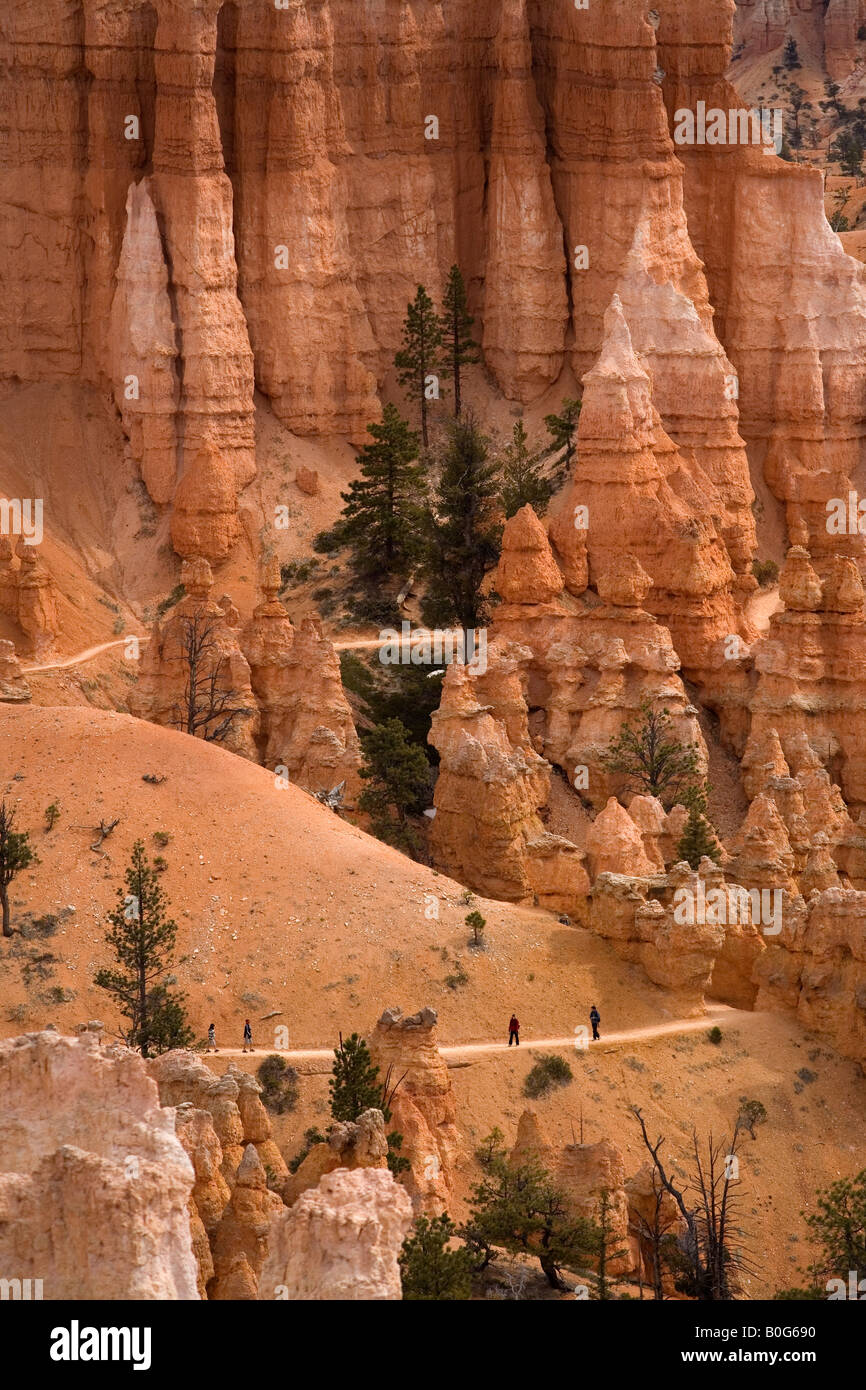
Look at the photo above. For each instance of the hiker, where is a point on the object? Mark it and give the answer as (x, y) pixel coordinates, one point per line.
(595, 1020)
(248, 1036)
(514, 1030)
(211, 1039)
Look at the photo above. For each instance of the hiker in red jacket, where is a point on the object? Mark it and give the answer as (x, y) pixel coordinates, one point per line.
(514, 1030)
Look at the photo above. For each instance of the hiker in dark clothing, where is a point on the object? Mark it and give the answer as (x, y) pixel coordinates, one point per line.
(211, 1039)
(514, 1030)
(248, 1036)
(595, 1020)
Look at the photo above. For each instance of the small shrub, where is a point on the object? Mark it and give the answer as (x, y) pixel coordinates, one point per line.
(297, 572)
(548, 1073)
(715, 1035)
(52, 815)
(458, 978)
(752, 1112)
(161, 837)
(160, 864)
(477, 923)
(118, 627)
(311, 1137)
(766, 572)
(279, 1083)
(170, 600)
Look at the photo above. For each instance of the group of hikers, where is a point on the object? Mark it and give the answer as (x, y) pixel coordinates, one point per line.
(514, 1027)
(248, 1038)
(513, 1032)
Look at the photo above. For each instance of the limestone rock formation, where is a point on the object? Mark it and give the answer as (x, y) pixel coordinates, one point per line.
(306, 722)
(340, 1240)
(423, 1108)
(614, 844)
(28, 594)
(94, 1182)
(240, 1241)
(14, 689)
(358, 1144)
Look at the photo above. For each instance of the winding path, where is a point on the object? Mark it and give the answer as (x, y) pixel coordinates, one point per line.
(80, 657)
(718, 1013)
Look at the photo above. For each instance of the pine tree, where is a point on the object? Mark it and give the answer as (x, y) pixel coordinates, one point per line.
(382, 516)
(464, 528)
(143, 939)
(791, 54)
(563, 427)
(397, 775)
(522, 478)
(15, 855)
(458, 346)
(655, 762)
(419, 356)
(428, 1269)
(607, 1241)
(354, 1085)
(697, 839)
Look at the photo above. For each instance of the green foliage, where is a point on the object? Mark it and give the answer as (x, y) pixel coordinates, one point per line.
(170, 600)
(354, 1084)
(464, 528)
(298, 571)
(608, 1249)
(518, 1207)
(458, 347)
(653, 759)
(15, 855)
(752, 1112)
(522, 478)
(477, 923)
(847, 150)
(419, 356)
(408, 693)
(143, 939)
(791, 54)
(382, 517)
(766, 572)
(697, 840)
(549, 1073)
(52, 816)
(562, 428)
(838, 1227)
(397, 777)
(428, 1269)
(715, 1035)
(279, 1083)
(311, 1136)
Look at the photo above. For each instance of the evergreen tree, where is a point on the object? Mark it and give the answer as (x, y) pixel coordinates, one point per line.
(143, 939)
(458, 347)
(354, 1084)
(428, 1269)
(419, 356)
(15, 855)
(791, 54)
(355, 1087)
(518, 1207)
(382, 516)
(839, 1228)
(847, 150)
(655, 762)
(464, 528)
(397, 774)
(697, 839)
(562, 428)
(522, 478)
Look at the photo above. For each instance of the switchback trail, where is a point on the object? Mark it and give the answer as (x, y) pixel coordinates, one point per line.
(87, 655)
(717, 1014)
